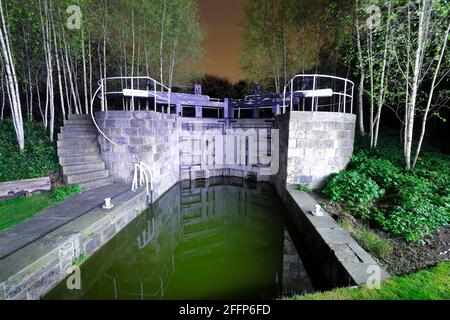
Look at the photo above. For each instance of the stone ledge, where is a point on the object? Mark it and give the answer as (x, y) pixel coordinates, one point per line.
(338, 256)
(34, 270)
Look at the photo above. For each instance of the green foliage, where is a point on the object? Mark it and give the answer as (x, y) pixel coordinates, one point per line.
(429, 284)
(17, 210)
(303, 187)
(20, 209)
(37, 160)
(60, 194)
(79, 261)
(416, 203)
(352, 187)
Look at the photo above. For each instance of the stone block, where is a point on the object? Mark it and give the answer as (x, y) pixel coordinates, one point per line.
(130, 131)
(121, 140)
(136, 141)
(137, 123)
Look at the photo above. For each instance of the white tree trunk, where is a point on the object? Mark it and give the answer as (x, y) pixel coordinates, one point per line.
(361, 83)
(16, 109)
(430, 97)
(381, 96)
(419, 54)
(161, 44)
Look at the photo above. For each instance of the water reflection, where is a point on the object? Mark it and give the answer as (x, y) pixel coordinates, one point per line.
(205, 239)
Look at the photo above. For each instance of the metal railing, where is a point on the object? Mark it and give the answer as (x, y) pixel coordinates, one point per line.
(143, 176)
(311, 87)
(133, 87)
(102, 93)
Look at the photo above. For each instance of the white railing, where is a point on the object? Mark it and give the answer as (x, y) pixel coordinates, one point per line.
(135, 90)
(318, 91)
(163, 94)
(143, 176)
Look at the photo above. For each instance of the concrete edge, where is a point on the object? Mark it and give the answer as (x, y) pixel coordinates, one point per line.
(335, 253)
(34, 270)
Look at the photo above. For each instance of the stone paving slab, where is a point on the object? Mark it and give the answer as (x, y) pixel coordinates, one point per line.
(55, 217)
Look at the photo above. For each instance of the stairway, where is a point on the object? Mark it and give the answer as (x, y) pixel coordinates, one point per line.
(79, 155)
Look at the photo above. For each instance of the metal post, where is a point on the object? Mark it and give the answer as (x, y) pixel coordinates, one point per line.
(170, 94)
(314, 98)
(154, 94)
(345, 96)
(292, 95)
(351, 103)
(103, 95)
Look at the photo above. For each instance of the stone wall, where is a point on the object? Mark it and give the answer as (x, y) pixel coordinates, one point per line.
(201, 140)
(34, 270)
(313, 146)
(141, 136)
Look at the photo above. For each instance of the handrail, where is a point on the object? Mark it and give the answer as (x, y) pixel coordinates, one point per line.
(316, 77)
(143, 179)
(93, 118)
(102, 82)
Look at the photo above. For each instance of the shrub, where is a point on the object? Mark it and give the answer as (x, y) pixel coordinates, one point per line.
(303, 187)
(60, 194)
(382, 171)
(37, 160)
(416, 203)
(352, 187)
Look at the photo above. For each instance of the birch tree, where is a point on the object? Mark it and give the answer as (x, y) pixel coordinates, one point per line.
(11, 79)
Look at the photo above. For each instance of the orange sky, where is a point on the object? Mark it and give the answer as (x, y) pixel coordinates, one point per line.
(224, 38)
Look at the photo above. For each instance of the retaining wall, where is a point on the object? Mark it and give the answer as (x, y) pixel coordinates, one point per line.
(313, 146)
(141, 136)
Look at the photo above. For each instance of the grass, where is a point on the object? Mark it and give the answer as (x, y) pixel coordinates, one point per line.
(367, 238)
(432, 284)
(17, 210)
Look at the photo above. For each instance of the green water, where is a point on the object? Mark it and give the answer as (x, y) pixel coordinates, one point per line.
(215, 239)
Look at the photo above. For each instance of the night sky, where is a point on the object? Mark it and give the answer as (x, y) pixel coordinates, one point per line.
(224, 37)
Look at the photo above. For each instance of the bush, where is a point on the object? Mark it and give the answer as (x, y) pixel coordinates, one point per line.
(303, 187)
(416, 203)
(382, 171)
(352, 187)
(59, 194)
(37, 160)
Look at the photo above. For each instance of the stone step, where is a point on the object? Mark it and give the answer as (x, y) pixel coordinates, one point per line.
(96, 183)
(83, 167)
(84, 122)
(86, 176)
(79, 129)
(80, 136)
(80, 151)
(73, 143)
(79, 116)
(66, 160)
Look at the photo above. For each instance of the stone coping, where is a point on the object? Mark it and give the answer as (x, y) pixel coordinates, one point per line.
(337, 254)
(32, 271)
(55, 217)
(24, 186)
